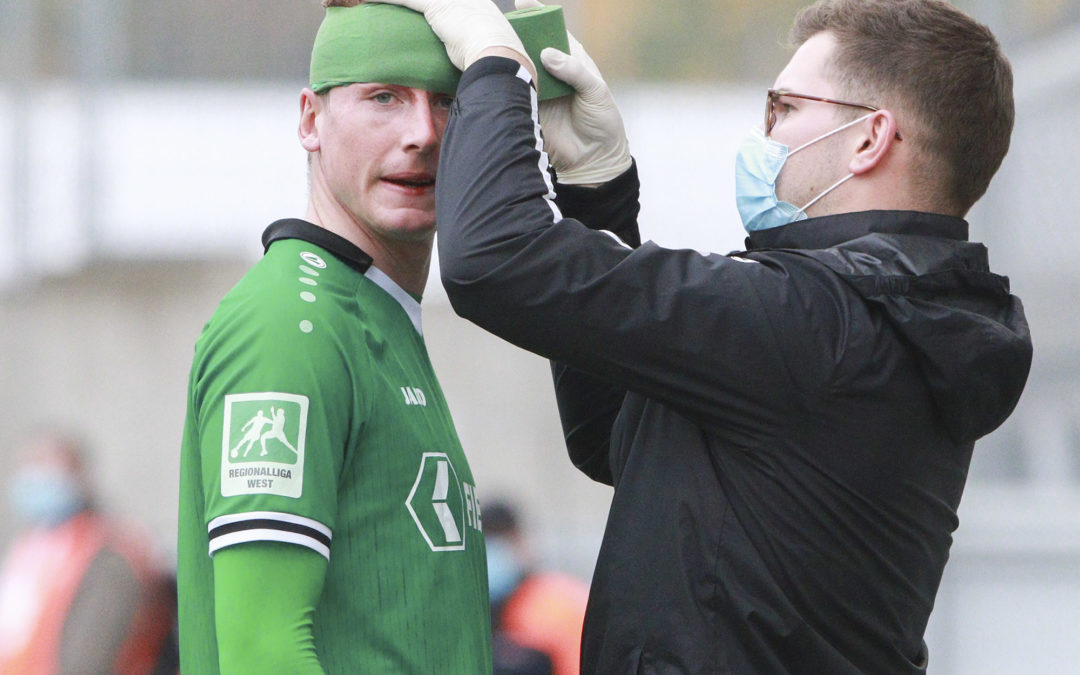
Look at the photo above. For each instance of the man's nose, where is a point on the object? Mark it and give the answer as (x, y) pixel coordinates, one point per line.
(422, 128)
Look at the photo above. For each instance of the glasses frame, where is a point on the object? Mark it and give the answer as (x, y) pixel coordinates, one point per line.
(773, 94)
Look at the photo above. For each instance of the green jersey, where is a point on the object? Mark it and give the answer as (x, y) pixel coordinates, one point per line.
(315, 418)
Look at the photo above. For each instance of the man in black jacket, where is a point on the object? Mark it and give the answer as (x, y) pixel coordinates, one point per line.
(788, 428)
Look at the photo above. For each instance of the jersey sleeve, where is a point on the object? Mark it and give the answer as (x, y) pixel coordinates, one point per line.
(273, 407)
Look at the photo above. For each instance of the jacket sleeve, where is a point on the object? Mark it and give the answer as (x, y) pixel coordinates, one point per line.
(687, 329)
(587, 404)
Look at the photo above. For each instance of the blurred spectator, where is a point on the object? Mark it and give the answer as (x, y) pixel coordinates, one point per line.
(531, 610)
(77, 591)
(509, 657)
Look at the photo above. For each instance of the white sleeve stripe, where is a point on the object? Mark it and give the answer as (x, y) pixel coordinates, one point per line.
(615, 237)
(269, 515)
(218, 543)
(523, 75)
(542, 164)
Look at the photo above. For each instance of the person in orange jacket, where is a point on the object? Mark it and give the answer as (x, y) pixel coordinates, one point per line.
(533, 609)
(78, 591)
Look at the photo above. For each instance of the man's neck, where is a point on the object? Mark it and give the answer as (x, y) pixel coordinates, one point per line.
(406, 262)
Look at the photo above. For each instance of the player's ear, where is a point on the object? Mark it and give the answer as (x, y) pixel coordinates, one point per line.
(311, 105)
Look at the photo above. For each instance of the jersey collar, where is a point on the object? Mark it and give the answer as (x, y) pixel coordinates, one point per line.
(407, 302)
(350, 253)
(294, 228)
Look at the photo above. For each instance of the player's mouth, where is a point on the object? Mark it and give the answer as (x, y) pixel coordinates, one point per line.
(411, 182)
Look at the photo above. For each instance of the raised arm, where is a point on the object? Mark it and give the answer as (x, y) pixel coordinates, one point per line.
(588, 404)
(673, 325)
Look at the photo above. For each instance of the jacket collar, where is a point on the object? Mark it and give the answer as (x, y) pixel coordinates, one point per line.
(294, 228)
(829, 231)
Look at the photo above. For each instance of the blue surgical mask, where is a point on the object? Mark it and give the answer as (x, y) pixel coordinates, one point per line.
(757, 166)
(44, 497)
(504, 570)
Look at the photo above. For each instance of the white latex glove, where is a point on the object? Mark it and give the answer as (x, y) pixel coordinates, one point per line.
(466, 27)
(583, 133)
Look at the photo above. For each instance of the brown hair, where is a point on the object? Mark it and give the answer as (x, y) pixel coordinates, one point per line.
(341, 3)
(941, 72)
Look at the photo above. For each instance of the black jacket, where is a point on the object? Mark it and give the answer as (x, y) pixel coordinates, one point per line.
(787, 429)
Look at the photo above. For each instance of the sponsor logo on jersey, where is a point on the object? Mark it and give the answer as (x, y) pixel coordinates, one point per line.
(442, 505)
(262, 444)
(414, 396)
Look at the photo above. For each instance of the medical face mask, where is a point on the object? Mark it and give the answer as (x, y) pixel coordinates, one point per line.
(44, 497)
(757, 165)
(504, 570)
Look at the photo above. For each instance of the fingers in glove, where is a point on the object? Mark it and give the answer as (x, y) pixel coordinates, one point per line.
(573, 70)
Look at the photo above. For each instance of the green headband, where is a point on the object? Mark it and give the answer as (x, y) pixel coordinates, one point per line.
(380, 43)
(395, 45)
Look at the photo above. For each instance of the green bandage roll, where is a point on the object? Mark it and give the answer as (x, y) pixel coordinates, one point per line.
(380, 43)
(540, 27)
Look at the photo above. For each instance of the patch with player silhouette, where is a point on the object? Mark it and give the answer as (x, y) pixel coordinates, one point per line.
(262, 444)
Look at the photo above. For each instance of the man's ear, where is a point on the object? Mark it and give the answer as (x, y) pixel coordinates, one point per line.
(879, 133)
(308, 130)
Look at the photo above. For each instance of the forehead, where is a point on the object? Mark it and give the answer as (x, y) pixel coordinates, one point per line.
(806, 72)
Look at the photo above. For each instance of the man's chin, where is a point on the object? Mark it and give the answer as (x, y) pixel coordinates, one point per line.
(417, 236)
(413, 227)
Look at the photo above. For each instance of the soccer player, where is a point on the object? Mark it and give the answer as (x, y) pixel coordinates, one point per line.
(351, 541)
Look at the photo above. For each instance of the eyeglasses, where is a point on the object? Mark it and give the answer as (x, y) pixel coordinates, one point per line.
(773, 96)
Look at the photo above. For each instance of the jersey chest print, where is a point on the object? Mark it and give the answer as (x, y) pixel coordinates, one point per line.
(441, 504)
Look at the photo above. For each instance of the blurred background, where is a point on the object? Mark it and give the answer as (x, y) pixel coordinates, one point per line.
(145, 145)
